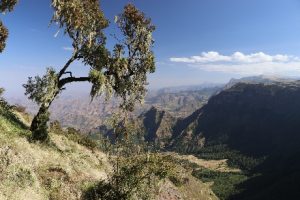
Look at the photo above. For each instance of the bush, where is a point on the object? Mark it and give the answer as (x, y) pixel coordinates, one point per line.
(136, 176)
(74, 135)
(224, 183)
(3, 103)
(19, 108)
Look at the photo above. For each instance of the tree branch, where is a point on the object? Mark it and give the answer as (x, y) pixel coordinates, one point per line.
(65, 81)
(71, 75)
(72, 59)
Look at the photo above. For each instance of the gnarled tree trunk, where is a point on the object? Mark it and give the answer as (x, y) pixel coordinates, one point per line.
(39, 126)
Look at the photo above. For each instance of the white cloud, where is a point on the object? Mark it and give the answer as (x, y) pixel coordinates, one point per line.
(237, 57)
(240, 63)
(68, 48)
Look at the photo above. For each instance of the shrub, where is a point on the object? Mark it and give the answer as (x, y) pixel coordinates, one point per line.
(19, 108)
(135, 176)
(74, 135)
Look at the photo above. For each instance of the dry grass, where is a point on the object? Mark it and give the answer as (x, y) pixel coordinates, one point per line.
(215, 165)
(36, 172)
(192, 189)
(62, 170)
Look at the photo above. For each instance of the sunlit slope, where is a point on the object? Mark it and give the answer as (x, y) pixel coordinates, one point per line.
(32, 171)
(64, 169)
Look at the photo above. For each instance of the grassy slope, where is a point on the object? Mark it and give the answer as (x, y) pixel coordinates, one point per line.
(216, 174)
(33, 171)
(64, 169)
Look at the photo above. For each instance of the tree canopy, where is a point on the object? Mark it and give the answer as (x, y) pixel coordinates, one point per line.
(121, 71)
(5, 6)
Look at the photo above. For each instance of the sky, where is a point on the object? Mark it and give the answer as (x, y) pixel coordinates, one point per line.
(196, 41)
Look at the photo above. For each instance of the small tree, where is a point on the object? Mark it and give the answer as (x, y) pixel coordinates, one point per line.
(137, 169)
(2, 102)
(5, 6)
(122, 72)
(1, 91)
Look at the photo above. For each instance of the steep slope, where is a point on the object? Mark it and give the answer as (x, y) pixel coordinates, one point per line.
(255, 126)
(181, 103)
(64, 169)
(158, 125)
(255, 119)
(33, 171)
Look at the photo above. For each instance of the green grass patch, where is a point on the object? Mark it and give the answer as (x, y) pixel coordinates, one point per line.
(224, 183)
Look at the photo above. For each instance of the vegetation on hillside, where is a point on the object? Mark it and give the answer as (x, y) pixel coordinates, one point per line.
(254, 126)
(59, 170)
(249, 129)
(224, 183)
(75, 167)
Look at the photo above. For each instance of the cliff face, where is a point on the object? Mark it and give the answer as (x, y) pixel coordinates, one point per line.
(254, 126)
(158, 125)
(256, 119)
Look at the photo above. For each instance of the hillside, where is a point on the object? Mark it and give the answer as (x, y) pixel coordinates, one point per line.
(248, 115)
(181, 102)
(66, 168)
(256, 127)
(35, 172)
(158, 125)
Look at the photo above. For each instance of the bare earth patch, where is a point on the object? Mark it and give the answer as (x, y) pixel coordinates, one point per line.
(216, 165)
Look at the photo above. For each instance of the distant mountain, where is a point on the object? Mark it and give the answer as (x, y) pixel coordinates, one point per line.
(259, 79)
(158, 125)
(264, 116)
(257, 127)
(181, 103)
(79, 112)
(190, 88)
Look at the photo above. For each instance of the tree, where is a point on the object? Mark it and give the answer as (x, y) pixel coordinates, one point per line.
(122, 72)
(137, 169)
(1, 91)
(5, 6)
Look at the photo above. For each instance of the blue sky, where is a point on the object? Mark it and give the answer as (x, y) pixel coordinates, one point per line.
(196, 41)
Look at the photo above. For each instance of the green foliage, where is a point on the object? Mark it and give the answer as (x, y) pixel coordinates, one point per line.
(82, 20)
(40, 132)
(134, 176)
(224, 183)
(5, 6)
(41, 90)
(137, 168)
(78, 137)
(10, 124)
(1, 91)
(235, 158)
(3, 36)
(100, 84)
(122, 73)
(130, 71)
(3, 103)
(73, 135)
